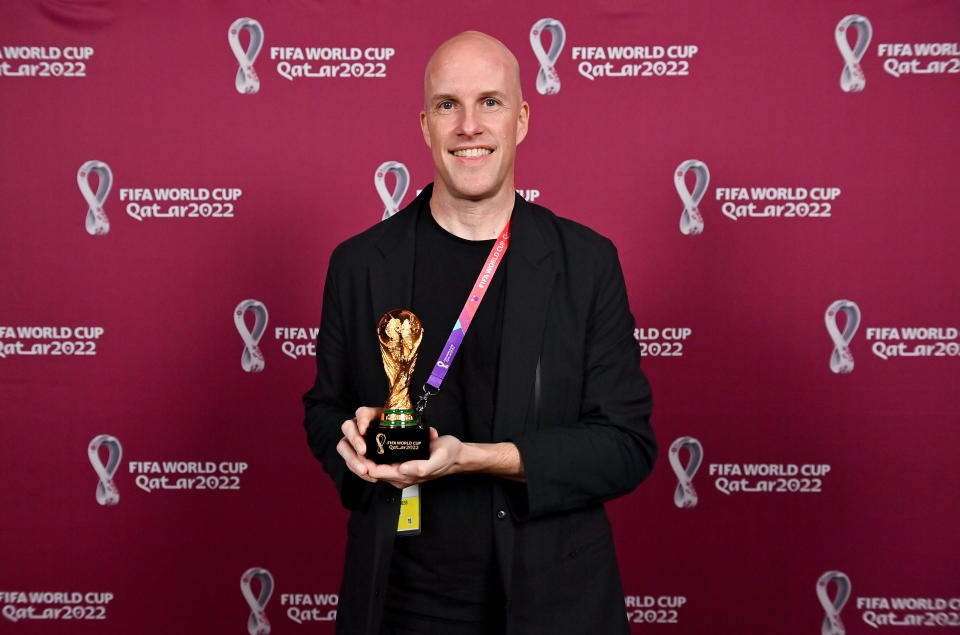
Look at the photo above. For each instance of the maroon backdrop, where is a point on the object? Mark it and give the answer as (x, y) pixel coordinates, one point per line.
(826, 489)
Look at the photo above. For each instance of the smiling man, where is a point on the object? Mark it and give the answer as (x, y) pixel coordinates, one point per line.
(473, 119)
(542, 416)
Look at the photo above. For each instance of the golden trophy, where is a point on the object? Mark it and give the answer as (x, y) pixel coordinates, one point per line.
(398, 437)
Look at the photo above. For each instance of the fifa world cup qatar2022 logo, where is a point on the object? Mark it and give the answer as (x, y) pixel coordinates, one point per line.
(107, 493)
(247, 82)
(252, 359)
(548, 81)
(852, 79)
(685, 495)
(391, 200)
(257, 623)
(691, 222)
(831, 620)
(841, 359)
(96, 222)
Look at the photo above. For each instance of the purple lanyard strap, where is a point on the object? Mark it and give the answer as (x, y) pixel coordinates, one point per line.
(469, 310)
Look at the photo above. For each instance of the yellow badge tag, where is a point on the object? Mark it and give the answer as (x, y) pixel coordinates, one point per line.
(409, 522)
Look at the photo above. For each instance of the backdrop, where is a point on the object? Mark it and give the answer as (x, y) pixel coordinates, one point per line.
(779, 180)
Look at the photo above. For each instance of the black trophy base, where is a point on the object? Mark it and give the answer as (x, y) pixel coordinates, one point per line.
(396, 445)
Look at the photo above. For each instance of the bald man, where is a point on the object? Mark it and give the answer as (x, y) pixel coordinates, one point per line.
(542, 416)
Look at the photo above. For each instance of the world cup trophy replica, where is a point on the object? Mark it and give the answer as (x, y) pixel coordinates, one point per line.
(398, 436)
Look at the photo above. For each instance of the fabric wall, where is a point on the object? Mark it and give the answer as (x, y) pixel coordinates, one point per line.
(778, 178)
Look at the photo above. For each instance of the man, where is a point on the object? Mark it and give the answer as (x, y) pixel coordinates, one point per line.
(542, 416)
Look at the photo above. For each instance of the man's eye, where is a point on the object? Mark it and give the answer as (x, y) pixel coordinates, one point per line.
(446, 105)
(490, 102)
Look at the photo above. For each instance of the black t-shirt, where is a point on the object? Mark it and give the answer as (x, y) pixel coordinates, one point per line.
(445, 580)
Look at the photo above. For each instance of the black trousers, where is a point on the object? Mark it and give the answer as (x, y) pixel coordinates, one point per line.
(386, 629)
(390, 630)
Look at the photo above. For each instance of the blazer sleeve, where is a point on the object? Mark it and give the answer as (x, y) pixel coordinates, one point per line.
(333, 396)
(610, 448)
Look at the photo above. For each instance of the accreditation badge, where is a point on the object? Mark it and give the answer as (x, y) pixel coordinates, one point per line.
(409, 521)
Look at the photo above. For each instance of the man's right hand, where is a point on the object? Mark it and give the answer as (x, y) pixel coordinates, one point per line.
(352, 446)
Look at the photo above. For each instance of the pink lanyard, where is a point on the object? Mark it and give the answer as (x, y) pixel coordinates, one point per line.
(469, 310)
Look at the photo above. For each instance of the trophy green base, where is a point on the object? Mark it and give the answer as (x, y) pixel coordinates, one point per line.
(397, 438)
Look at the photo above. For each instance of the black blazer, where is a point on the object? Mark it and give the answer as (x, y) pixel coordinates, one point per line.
(570, 395)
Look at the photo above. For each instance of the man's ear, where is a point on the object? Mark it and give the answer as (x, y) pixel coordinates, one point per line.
(523, 122)
(423, 127)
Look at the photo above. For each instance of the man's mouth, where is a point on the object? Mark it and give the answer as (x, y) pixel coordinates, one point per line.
(471, 152)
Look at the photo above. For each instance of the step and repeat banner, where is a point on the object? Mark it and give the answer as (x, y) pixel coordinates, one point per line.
(779, 180)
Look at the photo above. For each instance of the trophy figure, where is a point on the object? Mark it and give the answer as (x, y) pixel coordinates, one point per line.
(398, 437)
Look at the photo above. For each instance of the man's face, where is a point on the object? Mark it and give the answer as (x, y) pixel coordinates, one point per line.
(473, 118)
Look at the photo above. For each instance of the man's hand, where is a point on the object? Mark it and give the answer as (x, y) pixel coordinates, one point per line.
(353, 448)
(443, 460)
(448, 455)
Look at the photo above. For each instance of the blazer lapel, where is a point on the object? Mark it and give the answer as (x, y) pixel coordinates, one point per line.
(529, 284)
(391, 267)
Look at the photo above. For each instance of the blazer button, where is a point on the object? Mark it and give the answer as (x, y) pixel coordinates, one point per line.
(501, 514)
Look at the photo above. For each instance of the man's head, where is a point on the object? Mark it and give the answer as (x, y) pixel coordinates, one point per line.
(473, 116)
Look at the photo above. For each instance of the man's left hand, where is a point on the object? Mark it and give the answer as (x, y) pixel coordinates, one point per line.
(449, 455)
(444, 452)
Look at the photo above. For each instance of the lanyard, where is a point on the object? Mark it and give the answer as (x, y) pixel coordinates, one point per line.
(469, 310)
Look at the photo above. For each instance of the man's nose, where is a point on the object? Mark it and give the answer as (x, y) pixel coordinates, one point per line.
(470, 123)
